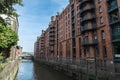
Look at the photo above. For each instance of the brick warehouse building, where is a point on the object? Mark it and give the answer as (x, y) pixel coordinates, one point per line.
(88, 32)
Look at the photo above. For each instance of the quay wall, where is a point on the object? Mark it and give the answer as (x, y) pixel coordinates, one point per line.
(10, 71)
(77, 71)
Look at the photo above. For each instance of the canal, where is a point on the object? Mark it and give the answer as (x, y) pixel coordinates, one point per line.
(33, 71)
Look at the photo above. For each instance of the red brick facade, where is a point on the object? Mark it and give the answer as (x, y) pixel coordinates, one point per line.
(85, 30)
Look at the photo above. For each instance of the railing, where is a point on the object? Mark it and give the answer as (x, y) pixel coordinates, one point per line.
(95, 41)
(83, 1)
(90, 66)
(86, 18)
(86, 28)
(84, 9)
(116, 37)
(117, 55)
(113, 5)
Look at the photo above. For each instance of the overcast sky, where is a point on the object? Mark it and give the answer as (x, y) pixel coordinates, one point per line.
(34, 17)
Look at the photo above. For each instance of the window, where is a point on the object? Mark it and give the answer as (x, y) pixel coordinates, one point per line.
(101, 20)
(72, 13)
(74, 53)
(86, 51)
(85, 26)
(103, 34)
(117, 50)
(68, 15)
(96, 50)
(80, 54)
(116, 32)
(8, 20)
(104, 51)
(95, 37)
(72, 7)
(100, 9)
(80, 30)
(86, 39)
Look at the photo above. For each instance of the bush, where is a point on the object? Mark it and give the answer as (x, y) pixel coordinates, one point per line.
(8, 37)
(1, 57)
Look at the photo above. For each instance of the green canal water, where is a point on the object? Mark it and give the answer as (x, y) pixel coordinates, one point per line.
(29, 70)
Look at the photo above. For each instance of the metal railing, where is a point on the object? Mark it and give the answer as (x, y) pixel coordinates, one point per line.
(99, 69)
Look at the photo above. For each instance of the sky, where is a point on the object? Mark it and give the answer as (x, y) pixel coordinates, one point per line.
(34, 17)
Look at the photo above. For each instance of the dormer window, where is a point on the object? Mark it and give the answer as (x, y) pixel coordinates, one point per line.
(8, 20)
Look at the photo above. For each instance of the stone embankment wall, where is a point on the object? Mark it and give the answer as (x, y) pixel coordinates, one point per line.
(78, 71)
(10, 71)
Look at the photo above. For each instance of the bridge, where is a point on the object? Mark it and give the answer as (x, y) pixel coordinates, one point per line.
(26, 56)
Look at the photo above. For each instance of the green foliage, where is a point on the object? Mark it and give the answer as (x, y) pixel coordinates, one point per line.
(8, 37)
(1, 57)
(6, 7)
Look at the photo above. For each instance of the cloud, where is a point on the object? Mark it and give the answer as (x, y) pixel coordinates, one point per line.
(62, 3)
(34, 17)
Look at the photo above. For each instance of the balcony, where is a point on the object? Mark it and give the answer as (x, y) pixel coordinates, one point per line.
(51, 35)
(116, 38)
(51, 43)
(85, 1)
(52, 27)
(86, 29)
(42, 42)
(87, 43)
(85, 9)
(72, 8)
(112, 5)
(95, 42)
(117, 56)
(86, 18)
(73, 22)
(72, 14)
(51, 39)
(73, 35)
(42, 46)
(52, 30)
(42, 37)
(114, 21)
(112, 9)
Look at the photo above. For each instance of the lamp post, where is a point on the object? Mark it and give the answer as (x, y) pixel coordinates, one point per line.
(95, 66)
(87, 69)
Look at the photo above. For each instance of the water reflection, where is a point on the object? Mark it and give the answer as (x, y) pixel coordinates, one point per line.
(33, 71)
(25, 70)
(48, 74)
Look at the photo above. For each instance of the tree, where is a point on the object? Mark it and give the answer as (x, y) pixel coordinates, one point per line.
(6, 7)
(8, 38)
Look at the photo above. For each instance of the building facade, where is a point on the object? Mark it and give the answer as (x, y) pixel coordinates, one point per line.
(87, 31)
(64, 34)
